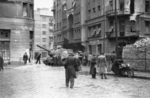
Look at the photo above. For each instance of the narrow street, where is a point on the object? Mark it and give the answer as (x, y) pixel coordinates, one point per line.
(40, 81)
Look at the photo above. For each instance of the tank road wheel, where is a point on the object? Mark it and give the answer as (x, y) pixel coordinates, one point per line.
(130, 73)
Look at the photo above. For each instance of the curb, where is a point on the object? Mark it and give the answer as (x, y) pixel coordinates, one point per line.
(112, 74)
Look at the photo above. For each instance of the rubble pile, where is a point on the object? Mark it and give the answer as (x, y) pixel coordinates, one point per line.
(137, 53)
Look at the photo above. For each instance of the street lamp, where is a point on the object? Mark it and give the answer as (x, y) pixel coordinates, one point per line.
(116, 29)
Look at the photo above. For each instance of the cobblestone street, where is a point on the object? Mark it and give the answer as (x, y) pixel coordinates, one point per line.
(40, 81)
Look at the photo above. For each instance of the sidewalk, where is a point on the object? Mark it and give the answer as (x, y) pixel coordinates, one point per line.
(137, 74)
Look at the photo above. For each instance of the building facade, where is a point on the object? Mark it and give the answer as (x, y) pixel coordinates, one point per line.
(44, 31)
(132, 24)
(91, 24)
(16, 29)
(69, 24)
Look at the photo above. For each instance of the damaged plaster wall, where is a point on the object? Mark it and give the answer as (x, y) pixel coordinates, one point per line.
(138, 9)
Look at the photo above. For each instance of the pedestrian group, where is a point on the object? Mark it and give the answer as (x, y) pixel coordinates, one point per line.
(74, 61)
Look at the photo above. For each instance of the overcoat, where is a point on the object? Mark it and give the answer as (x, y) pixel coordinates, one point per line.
(25, 57)
(71, 66)
(93, 66)
(1, 62)
(102, 64)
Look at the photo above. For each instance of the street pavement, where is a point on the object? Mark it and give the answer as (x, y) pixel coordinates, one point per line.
(40, 81)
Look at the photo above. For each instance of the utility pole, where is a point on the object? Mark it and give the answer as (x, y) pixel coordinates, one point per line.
(116, 29)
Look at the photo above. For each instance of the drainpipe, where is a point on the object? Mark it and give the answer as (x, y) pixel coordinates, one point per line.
(116, 33)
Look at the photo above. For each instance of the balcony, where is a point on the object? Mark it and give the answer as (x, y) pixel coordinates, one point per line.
(53, 9)
(135, 34)
(123, 12)
(111, 35)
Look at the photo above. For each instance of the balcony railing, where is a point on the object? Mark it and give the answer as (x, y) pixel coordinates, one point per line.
(136, 33)
(126, 34)
(119, 12)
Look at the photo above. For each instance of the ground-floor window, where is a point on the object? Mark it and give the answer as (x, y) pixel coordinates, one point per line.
(44, 54)
(36, 54)
(99, 48)
(90, 49)
(5, 51)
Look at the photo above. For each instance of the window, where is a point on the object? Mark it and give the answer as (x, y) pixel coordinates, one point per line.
(132, 6)
(99, 10)
(99, 48)
(132, 26)
(111, 4)
(44, 46)
(89, 14)
(89, 29)
(44, 39)
(50, 39)
(121, 5)
(147, 6)
(122, 27)
(44, 18)
(25, 10)
(60, 25)
(31, 11)
(111, 24)
(44, 32)
(50, 24)
(44, 54)
(43, 25)
(98, 33)
(94, 12)
(90, 49)
(147, 26)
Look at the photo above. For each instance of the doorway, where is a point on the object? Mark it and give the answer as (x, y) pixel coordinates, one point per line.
(5, 51)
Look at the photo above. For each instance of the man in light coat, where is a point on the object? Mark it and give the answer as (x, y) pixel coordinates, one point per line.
(102, 64)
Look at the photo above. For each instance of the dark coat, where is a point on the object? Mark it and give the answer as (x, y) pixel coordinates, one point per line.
(71, 67)
(39, 57)
(92, 67)
(59, 60)
(1, 62)
(25, 57)
(115, 67)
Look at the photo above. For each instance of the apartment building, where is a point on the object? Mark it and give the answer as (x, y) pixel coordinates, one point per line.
(132, 23)
(16, 29)
(71, 34)
(89, 25)
(43, 31)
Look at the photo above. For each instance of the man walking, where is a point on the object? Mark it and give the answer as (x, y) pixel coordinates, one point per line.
(1, 63)
(39, 59)
(25, 58)
(71, 66)
(102, 64)
(93, 67)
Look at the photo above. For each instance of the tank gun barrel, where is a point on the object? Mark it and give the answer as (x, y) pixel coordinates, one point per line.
(43, 48)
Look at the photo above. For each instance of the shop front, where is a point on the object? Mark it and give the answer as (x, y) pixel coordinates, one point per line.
(95, 47)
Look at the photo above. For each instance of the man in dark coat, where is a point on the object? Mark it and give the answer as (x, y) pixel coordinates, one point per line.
(71, 66)
(25, 58)
(59, 60)
(1, 63)
(93, 67)
(39, 59)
